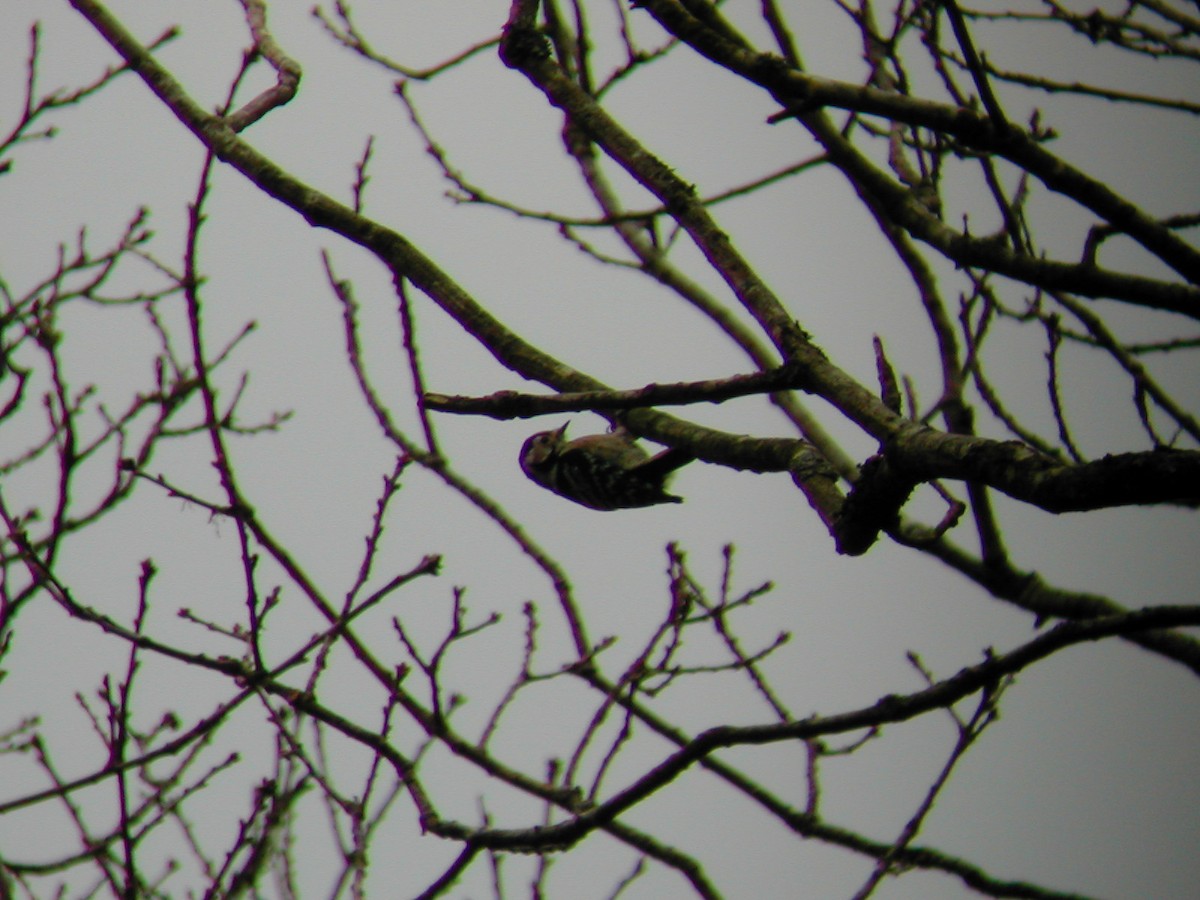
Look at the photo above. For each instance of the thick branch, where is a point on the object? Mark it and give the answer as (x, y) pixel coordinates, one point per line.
(1123, 479)
(803, 92)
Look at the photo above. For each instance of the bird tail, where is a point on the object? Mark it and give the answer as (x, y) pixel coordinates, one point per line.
(663, 464)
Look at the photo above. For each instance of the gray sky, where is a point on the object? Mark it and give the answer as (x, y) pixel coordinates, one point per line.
(1087, 784)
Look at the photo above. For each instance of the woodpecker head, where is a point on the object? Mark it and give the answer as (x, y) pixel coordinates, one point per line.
(539, 451)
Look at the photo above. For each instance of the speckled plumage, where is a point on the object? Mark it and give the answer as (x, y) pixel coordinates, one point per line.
(601, 471)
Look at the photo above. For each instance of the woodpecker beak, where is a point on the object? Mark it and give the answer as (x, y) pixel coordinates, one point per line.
(561, 434)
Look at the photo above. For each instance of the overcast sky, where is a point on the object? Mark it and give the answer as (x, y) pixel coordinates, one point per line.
(1087, 784)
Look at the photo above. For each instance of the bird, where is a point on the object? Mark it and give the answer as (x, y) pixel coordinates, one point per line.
(601, 471)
